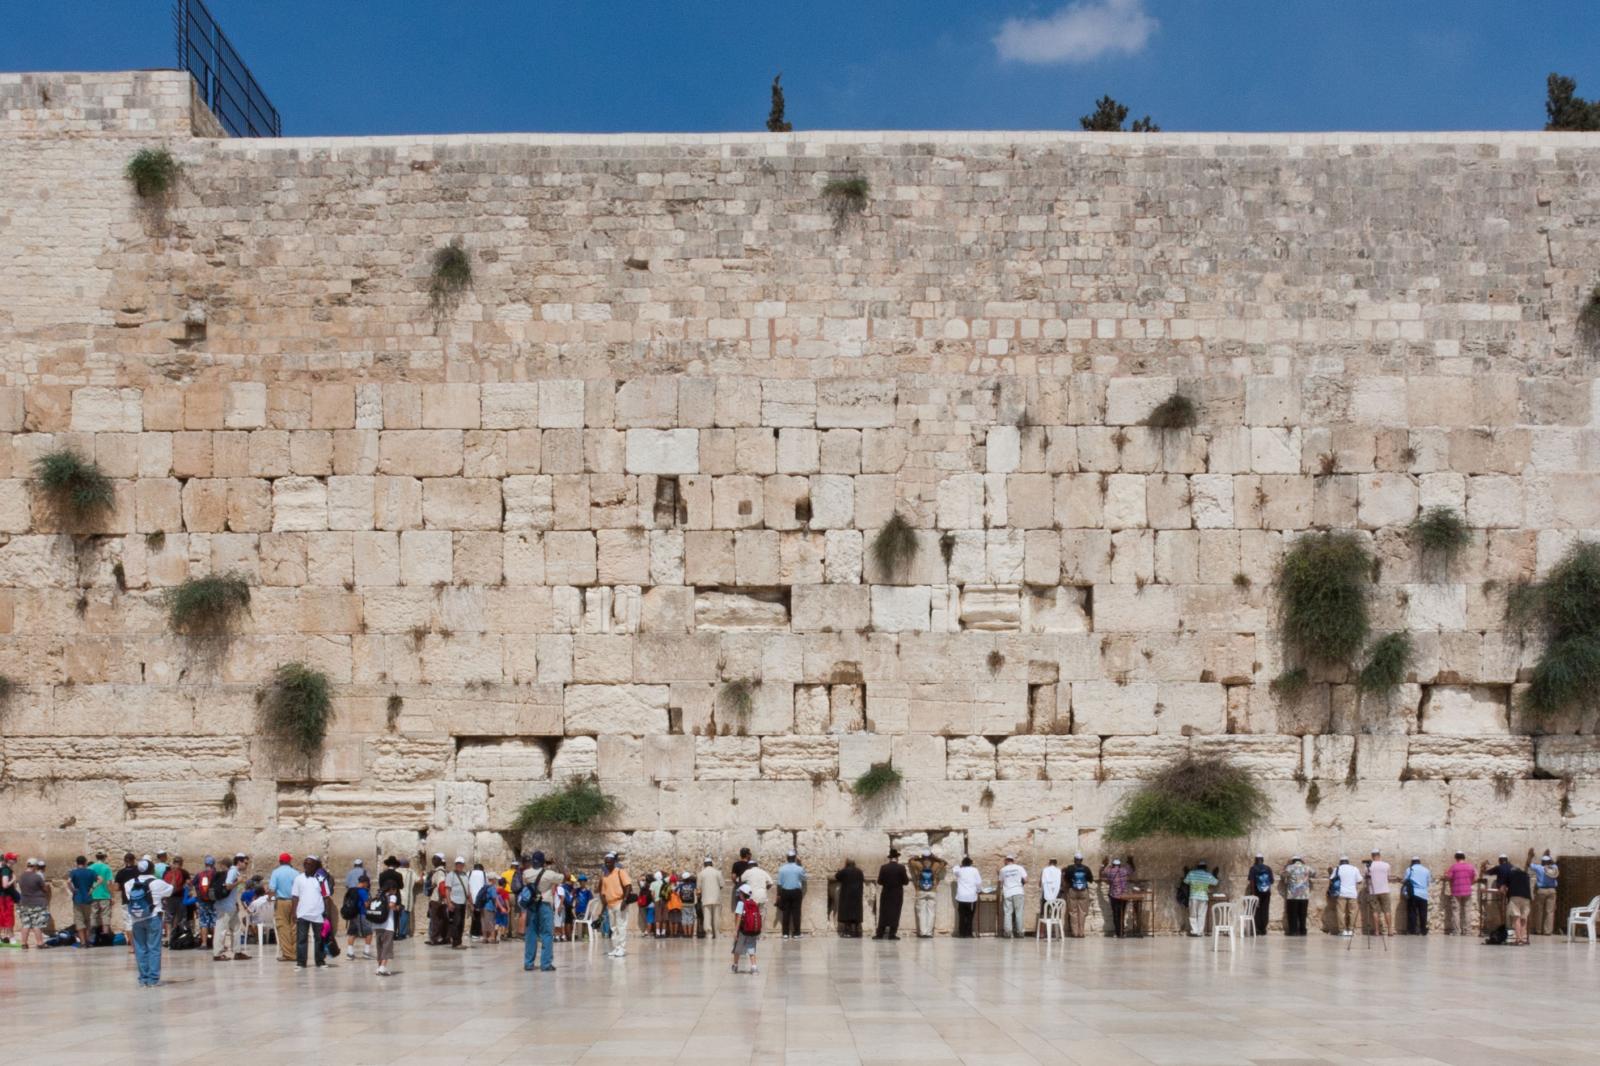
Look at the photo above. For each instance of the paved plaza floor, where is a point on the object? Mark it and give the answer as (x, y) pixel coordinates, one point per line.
(823, 1001)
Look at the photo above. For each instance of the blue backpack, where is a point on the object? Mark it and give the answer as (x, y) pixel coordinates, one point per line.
(140, 905)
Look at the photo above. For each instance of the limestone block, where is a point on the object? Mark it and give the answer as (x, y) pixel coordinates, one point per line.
(175, 758)
(824, 608)
(1271, 401)
(1468, 756)
(394, 759)
(1563, 756)
(668, 758)
(1274, 451)
(899, 609)
(510, 405)
(1266, 757)
(1106, 708)
(1386, 500)
(1002, 449)
(1139, 757)
(773, 804)
(397, 502)
(1167, 499)
(107, 410)
(1190, 707)
(1124, 501)
(969, 759)
(647, 401)
(635, 709)
(176, 804)
(1494, 502)
(503, 759)
(1506, 812)
(663, 452)
(561, 404)
(799, 451)
(918, 756)
(299, 503)
(576, 757)
(529, 502)
(856, 403)
(1465, 710)
(833, 502)
(992, 608)
(341, 806)
(1130, 609)
(569, 557)
(420, 453)
(730, 758)
(1130, 400)
(795, 757)
(859, 752)
(425, 557)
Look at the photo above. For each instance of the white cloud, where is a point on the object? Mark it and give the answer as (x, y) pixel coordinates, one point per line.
(1077, 33)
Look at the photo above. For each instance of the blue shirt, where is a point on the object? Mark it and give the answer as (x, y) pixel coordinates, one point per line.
(1420, 879)
(230, 902)
(1540, 878)
(282, 882)
(791, 875)
(83, 880)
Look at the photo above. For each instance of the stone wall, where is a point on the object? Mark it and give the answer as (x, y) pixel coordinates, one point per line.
(646, 454)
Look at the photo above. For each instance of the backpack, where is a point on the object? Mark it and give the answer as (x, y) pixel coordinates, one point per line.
(1080, 878)
(528, 898)
(214, 887)
(750, 919)
(351, 907)
(183, 939)
(925, 879)
(1264, 881)
(1333, 886)
(482, 899)
(377, 911)
(140, 904)
(1497, 937)
(686, 893)
(1182, 895)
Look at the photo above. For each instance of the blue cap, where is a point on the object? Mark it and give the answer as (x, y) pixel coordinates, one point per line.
(583, 877)
(538, 858)
(210, 861)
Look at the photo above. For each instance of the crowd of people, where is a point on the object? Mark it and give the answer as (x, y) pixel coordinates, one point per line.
(159, 902)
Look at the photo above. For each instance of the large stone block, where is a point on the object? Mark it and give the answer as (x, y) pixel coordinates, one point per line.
(1465, 710)
(663, 451)
(635, 709)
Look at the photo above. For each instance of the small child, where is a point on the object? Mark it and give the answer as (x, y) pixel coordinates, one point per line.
(686, 893)
(580, 902)
(500, 907)
(747, 920)
(674, 909)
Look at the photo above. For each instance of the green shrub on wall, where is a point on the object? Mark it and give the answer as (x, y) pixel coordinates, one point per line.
(846, 198)
(1564, 610)
(1386, 665)
(894, 547)
(452, 274)
(1195, 797)
(738, 698)
(578, 804)
(153, 172)
(296, 708)
(1440, 535)
(876, 781)
(1323, 583)
(1175, 412)
(208, 607)
(74, 487)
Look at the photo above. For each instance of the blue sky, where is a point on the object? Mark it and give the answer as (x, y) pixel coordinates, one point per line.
(404, 66)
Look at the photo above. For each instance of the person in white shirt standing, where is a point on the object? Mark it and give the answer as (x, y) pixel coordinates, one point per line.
(1012, 879)
(309, 913)
(760, 883)
(969, 882)
(1378, 894)
(146, 893)
(1348, 878)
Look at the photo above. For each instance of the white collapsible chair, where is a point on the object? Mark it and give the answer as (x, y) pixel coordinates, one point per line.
(590, 921)
(1247, 916)
(1584, 916)
(1222, 923)
(1051, 918)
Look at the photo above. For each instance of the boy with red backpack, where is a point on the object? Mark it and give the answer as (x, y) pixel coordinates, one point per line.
(747, 922)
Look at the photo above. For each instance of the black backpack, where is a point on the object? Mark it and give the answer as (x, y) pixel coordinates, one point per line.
(377, 911)
(351, 907)
(1497, 937)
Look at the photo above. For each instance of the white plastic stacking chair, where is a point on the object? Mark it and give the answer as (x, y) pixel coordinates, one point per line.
(1584, 916)
(1222, 924)
(591, 921)
(1051, 918)
(1247, 915)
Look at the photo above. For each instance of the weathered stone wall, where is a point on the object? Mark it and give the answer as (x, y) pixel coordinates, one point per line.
(646, 455)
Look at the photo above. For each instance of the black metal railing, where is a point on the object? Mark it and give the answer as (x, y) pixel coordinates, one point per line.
(226, 84)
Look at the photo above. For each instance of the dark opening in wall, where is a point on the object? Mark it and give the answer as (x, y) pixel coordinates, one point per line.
(675, 721)
(670, 508)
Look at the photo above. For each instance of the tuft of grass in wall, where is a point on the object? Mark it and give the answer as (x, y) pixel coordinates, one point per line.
(1386, 665)
(1440, 534)
(1313, 796)
(1241, 581)
(208, 607)
(578, 804)
(1290, 685)
(1589, 313)
(296, 708)
(894, 547)
(120, 576)
(392, 709)
(947, 547)
(1174, 413)
(153, 172)
(230, 799)
(1564, 610)
(75, 488)
(879, 779)
(452, 274)
(846, 198)
(1196, 798)
(155, 541)
(1323, 583)
(995, 660)
(738, 698)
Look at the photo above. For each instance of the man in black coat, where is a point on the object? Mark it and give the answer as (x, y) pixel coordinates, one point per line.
(1258, 882)
(851, 884)
(892, 882)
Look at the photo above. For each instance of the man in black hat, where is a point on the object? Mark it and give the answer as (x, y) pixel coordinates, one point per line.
(892, 882)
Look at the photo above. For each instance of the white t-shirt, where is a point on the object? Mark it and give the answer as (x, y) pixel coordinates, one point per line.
(968, 882)
(159, 890)
(1349, 881)
(388, 922)
(475, 882)
(760, 883)
(1379, 873)
(1012, 877)
(307, 898)
(1050, 883)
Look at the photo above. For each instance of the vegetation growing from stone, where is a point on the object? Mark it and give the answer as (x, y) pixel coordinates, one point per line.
(894, 547)
(1387, 662)
(1589, 315)
(152, 171)
(396, 703)
(1323, 583)
(579, 803)
(1108, 116)
(776, 123)
(296, 708)
(1195, 797)
(846, 197)
(1175, 412)
(880, 778)
(1564, 610)
(208, 606)
(452, 273)
(738, 697)
(1565, 110)
(1441, 534)
(74, 487)
(1291, 684)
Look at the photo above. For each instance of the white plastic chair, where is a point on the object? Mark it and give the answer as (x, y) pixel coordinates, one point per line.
(1051, 917)
(1584, 916)
(1247, 915)
(590, 921)
(1222, 922)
